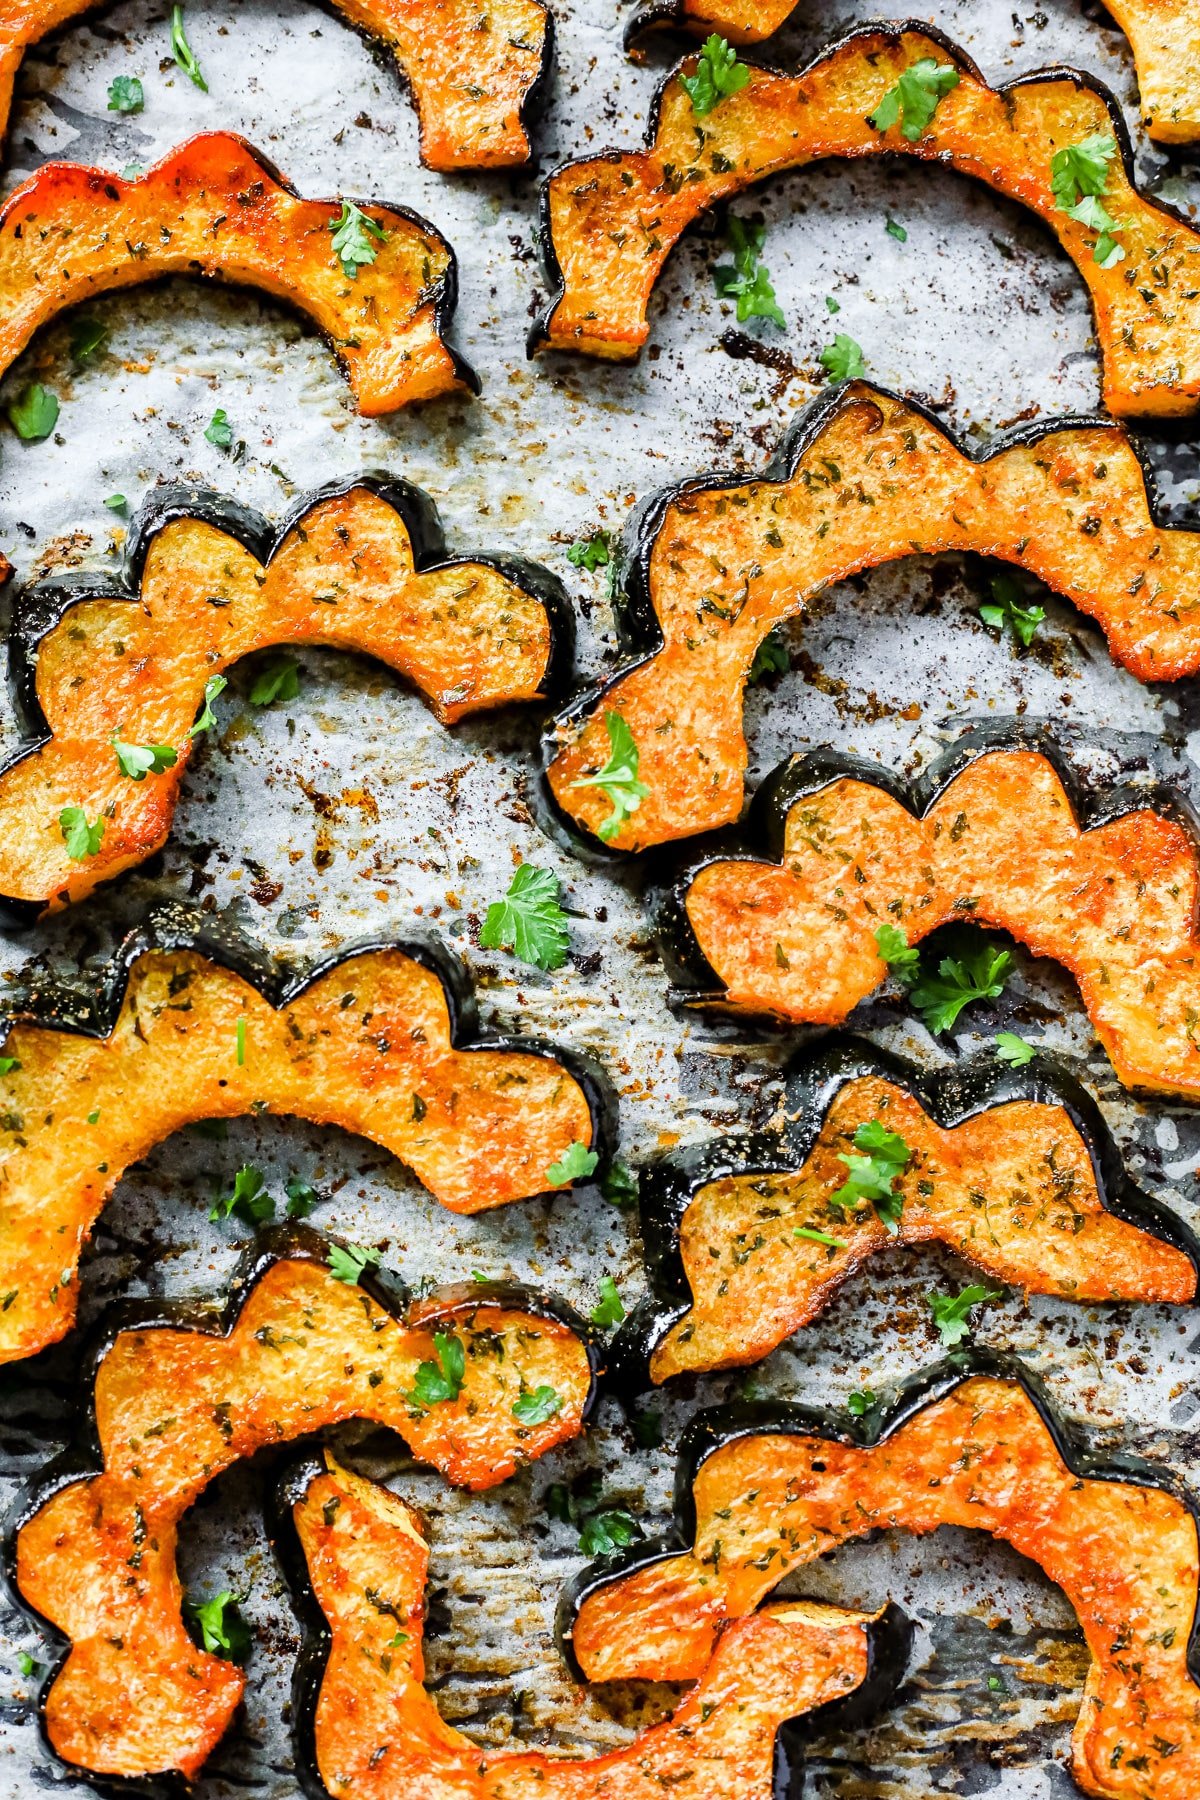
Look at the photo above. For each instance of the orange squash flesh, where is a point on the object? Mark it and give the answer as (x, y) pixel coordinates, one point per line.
(367, 1046)
(1001, 846)
(465, 634)
(214, 207)
(472, 69)
(613, 219)
(176, 1407)
(1012, 1190)
(869, 480)
(378, 1734)
(1124, 1554)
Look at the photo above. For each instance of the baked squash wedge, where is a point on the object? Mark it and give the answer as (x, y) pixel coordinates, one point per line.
(1105, 884)
(102, 666)
(191, 1025)
(477, 73)
(367, 1729)
(216, 207)
(1163, 34)
(1014, 1170)
(183, 1393)
(709, 567)
(610, 221)
(765, 1491)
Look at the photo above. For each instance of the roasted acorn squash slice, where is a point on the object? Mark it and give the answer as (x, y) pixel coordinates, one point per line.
(183, 1393)
(765, 1491)
(377, 1040)
(710, 567)
(357, 566)
(610, 221)
(1015, 1171)
(477, 73)
(216, 207)
(367, 1729)
(999, 838)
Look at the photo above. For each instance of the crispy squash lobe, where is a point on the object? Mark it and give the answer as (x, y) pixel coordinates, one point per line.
(984, 1459)
(368, 1046)
(214, 207)
(614, 218)
(867, 480)
(175, 1407)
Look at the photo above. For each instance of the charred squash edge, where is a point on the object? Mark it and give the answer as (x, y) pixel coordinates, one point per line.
(532, 106)
(538, 338)
(713, 1428)
(40, 609)
(84, 1458)
(889, 1640)
(950, 1096)
(443, 294)
(694, 980)
(639, 630)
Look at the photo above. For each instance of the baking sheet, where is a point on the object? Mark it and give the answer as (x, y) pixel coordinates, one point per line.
(351, 808)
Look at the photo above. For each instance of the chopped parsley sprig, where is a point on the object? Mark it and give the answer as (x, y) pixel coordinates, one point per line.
(352, 234)
(951, 1312)
(575, 1164)
(915, 98)
(873, 1174)
(1079, 181)
(718, 74)
(618, 777)
(979, 972)
(529, 920)
(139, 760)
(746, 279)
(1006, 609)
(182, 51)
(440, 1381)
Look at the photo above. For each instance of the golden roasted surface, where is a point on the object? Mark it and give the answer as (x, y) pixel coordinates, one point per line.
(378, 1732)
(1124, 1555)
(1012, 1190)
(1001, 846)
(614, 219)
(366, 1047)
(175, 1407)
(878, 482)
(464, 634)
(213, 207)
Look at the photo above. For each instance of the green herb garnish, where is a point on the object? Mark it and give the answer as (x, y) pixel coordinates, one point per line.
(126, 95)
(575, 1163)
(139, 760)
(350, 1263)
(618, 777)
(1013, 1049)
(223, 1630)
(279, 679)
(181, 50)
(859, 1401)
(1005, 609)
(216, 684)
(619, 1185)
(746, 279)
(609, 1309)
(951, 1311)
(718, 74)
(915, 98)
(34, 414)
(1079, 180)
(536, 1405)
(529, 920)
(603, 1532)
(873, 1174)
(440, 1381)
(843, 359)
(352, 234)
(81, 838)
(249, 1200)
(975, 975)
(219, 431)
(591, 553)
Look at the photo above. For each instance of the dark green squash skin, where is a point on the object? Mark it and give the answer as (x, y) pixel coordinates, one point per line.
(888, 1644)
(950, 1096)
(639, 634)
(38, 610)
(291, 1241)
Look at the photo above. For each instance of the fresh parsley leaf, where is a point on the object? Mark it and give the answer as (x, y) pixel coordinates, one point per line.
(859, 1401)
(240, 1041)
(1005, 609)
(951, 1311)
(139, 760)
(249, 1199)
(831, 305)
(82, 840)
(604, 1532)
(126, 95)
(571, 1503)
(223, 1631)
(440, 1381)
(352, 234)
(536, 1405)
(618, 777)
(29, 1667)
(278, 679)
(216, 684)
(976, 975)
(819, 1237)
(34, 414)
(746, 280)
(529, 921)
(591, 553)
(896, 230)
(873, 1174)
(117, 503)
(350, 1263)
(646, 1427)
(87, 336)
(574, 1164)
(619, 1185)
(8, 1064)
(915, 98)
(1013, 1049)
(771, 658)
(718, 74)
(181, 50)
(302, 1197)
(843, 359)
(219, 430)
(902, 959)
(1079, 180)
(133, 171)
(609, 1309)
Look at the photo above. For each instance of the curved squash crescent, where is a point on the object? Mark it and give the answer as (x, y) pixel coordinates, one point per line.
(1163, 34)
(996, 836)
(357, 566)
(216, 207)
(477, 77)
(863, 478)
(610, 221)
(764, 1491)
(183, 1393)
(366, 1729)
(380, 1040)
(1014, 1171)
